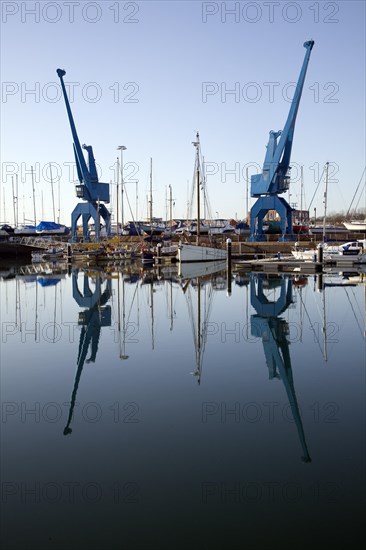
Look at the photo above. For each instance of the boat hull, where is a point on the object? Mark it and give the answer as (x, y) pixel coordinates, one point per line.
(348, 252)
(355, 226)
(52, 232)
(305, 255)
(200, 269)
(300, 229)
(150, 255)
(25, 232)
(199, 253)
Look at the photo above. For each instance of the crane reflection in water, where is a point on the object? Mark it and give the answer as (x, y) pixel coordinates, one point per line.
(96, 315)
(268, 324)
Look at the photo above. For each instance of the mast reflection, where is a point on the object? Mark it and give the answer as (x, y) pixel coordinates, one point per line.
(92, 319)
(273, 330)
(204, 278)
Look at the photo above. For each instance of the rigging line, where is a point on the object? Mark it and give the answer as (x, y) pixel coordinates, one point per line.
(145, 303)
(206, 319)
(203, 327)
(356, 302)
(175, 301)
(359, 198)
(354, 313)
(191, 316)
(339, 326)
(113, 302)
(205, 191)
(133, 218)
(320, 179)
(317, 307)
(193, 188)
(311, 325)
(167, 298)
(353, 198)
(133, 299)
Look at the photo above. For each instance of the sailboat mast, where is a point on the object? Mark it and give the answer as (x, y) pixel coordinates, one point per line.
(59, 204)
(246, 195)
(197, 145)
(14, 213)
(325, 198)
(198, 358)
(4, 208)
(170, 207)
(53, 196)
(204, 189)
(187, 201)
(152, 312)
(34, 199)
(171, 305)
(324, 330)
(17, 194)
(137, 200)
(123, 355)
(301, 193)
(151, 200)
(117, 197)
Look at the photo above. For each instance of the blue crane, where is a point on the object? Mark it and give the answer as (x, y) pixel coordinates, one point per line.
(275, 176)
(268, 324)
(92, 319)
(89, 188)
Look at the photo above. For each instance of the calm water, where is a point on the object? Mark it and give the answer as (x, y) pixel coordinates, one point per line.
(158, 410)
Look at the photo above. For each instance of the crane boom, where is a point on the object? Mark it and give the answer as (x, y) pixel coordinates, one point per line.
(89, 188)
(275, 176)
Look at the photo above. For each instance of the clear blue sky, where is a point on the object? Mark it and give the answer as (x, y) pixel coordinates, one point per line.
(163, 53)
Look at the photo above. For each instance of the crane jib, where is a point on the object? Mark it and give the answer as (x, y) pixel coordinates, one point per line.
(275, 176)
(89, 189)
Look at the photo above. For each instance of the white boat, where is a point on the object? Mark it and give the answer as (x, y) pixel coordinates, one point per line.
(191, 229)
(307, 254)
(151, 254)
(319, 229)
(25, 230)
(200, 269)
(224, 229)
(199, 252)
(51, 253)
(353, 251)
(355, 225)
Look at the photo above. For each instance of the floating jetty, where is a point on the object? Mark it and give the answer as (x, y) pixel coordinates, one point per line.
(271, 256)
(287, 265)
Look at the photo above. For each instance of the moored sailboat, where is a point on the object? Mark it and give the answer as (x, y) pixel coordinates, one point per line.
(355, 225)
(354, 251)
(199, 252)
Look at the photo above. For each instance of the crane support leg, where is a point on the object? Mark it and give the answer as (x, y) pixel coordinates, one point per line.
(86, 211)
(260, 209)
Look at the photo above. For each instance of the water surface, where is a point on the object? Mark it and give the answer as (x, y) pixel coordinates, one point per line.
(153, 409)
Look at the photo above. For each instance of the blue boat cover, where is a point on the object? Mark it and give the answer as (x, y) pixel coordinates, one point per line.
(43, 281)
(46, 226)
